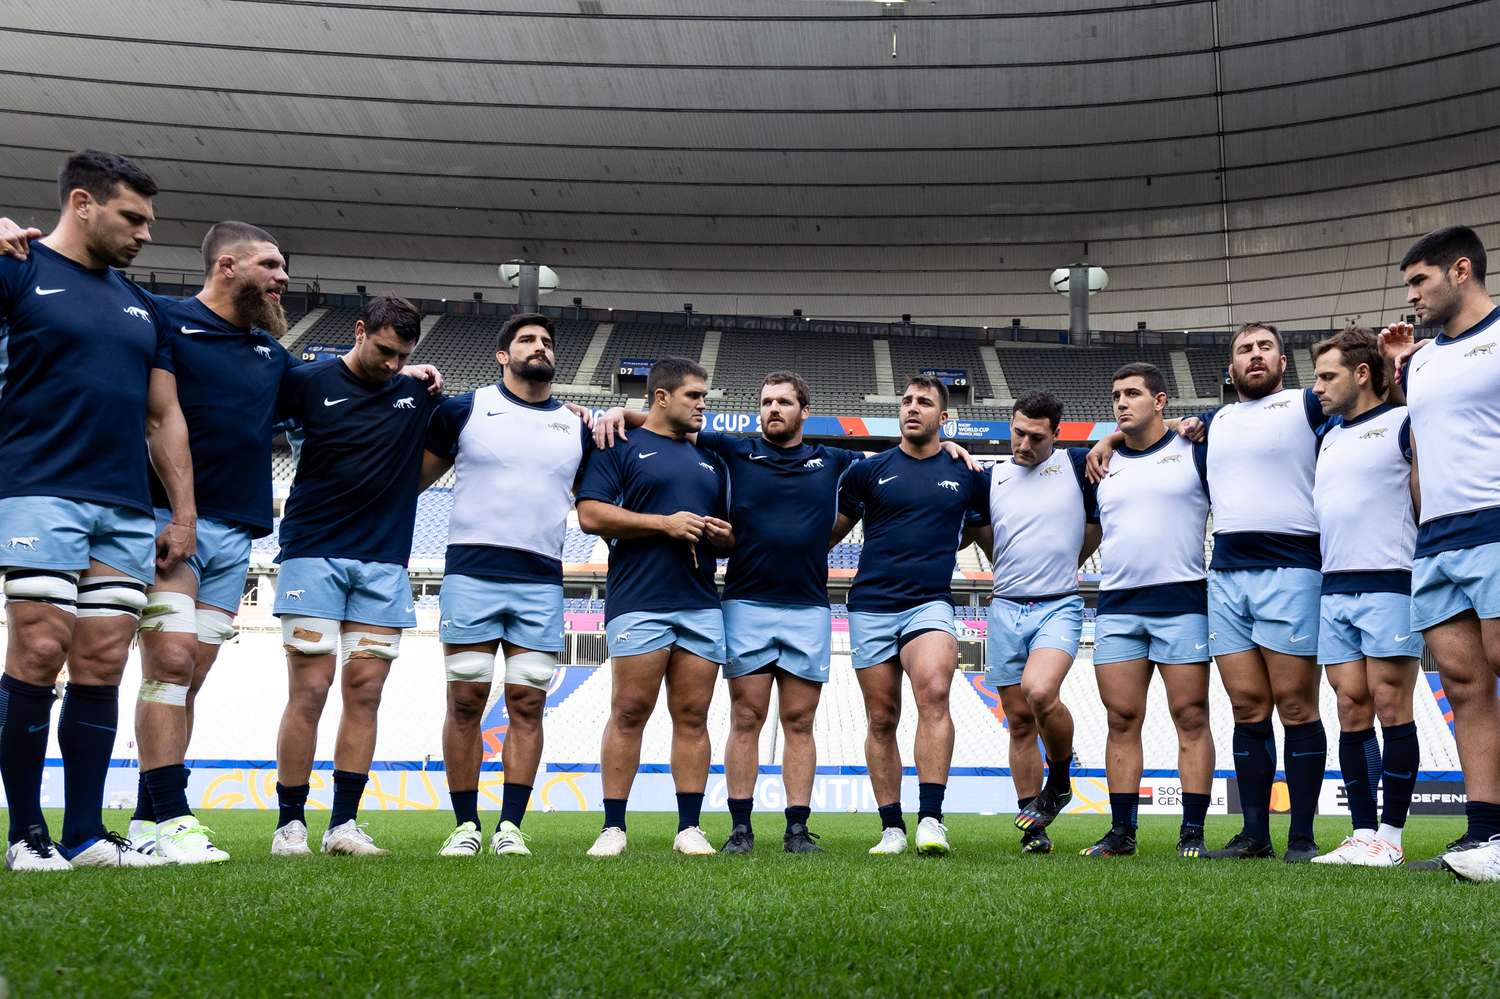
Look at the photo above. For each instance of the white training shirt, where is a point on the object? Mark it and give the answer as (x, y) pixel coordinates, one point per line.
(1038, 516)
(1453, 394)
(1262, 455)
(1153, 505)
(1363, 500)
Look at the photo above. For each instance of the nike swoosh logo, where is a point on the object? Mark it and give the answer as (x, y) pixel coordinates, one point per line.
(1299, 638)
(48, 291)
(409, 609)
(1401, 638)
(38, 728)
(1112, 474)
(644, 454)
(334, 402)
(1197, 646)
(188, 331)
(1405, 776)
(1298, 756)
(498, 412)
(884, 481)
(102, 728)
(758, 457)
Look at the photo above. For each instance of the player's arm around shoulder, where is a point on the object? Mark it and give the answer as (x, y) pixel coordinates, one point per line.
(853, 489)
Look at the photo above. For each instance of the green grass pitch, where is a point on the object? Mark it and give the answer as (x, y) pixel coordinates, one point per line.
(985, 921)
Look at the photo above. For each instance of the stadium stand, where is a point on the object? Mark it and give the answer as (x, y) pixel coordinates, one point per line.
(572, 342)
(1080, 376)
(839, 369)
(335, 328)
(646, 342)
(910, 355)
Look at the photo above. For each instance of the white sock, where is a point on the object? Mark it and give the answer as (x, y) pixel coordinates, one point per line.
(1391, 834)
(140, 826)
(1364, 835)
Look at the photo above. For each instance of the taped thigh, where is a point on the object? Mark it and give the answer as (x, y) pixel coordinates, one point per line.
(57, 587)
(215, 627)
(111, 596)
(368, 645)
(310, 636)
(175, 613)
(531, 669)
(470, 667)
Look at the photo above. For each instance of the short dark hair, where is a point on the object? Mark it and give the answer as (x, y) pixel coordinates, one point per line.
(1357, 345)
(1040, 405)
(1148, 373)
(932, 382)
(668, 374)
(514, 324)
(796, 381)
(222, 235)
(1268, 327)
(380, 311)
(99, 173)
(1444, 246)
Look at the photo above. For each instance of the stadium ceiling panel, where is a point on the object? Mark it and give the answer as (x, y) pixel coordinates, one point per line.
(852, 159)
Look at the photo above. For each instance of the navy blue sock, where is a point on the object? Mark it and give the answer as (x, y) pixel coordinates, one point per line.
(1194, 811)
(1484, 819)
(1059, 776)
(1255, 771)
(930, 800)
(797, 815)
(143, 810)
(86, 733)
(614, 813)
(167, 790)
(1306, 758)
(513, 801)
(739, 812)
(1022, 802)
(1122, 809)
(291, 802)
(689, 809)
(25, 717)
(1359, 759)
(890, 817)
(465, 806)
(1402, 756)
(348, 788)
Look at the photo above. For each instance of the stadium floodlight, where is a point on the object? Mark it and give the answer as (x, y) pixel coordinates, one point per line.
(530, 279)
(1062, 284)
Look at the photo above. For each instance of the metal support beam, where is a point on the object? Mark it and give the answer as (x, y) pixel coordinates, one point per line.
(1078, 304)
(528, 292)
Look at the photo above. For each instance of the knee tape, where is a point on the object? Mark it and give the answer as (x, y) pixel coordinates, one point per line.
(310, 636)
(158, 692)
(531, 669)
(111, 596)
(470, 667)
(169, 612)
(367, 645)
(215, 627)
(47, 586)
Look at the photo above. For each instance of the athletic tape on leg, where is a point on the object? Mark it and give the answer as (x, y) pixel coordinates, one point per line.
(531, 669)
(215, 627)
(157, 692)
(470, 667)
(310, 636)
(368, 645)
(174, 613)
(111, 596)
(57, 587)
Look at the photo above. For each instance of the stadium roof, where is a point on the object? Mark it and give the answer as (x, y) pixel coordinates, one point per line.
(1266, 160)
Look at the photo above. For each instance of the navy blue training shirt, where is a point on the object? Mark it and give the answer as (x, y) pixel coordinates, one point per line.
(76, 351)
(228, 378)
(914, 511)
(783, 501)
(355, 494)
(650, 473)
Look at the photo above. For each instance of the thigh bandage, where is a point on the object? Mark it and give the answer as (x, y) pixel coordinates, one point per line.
(157, 692)
(368, 645)
(176, 613)
(470, 667)
(215, 627)
(531, 669)
(310, 636)
(57, 587)
(111, 596)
